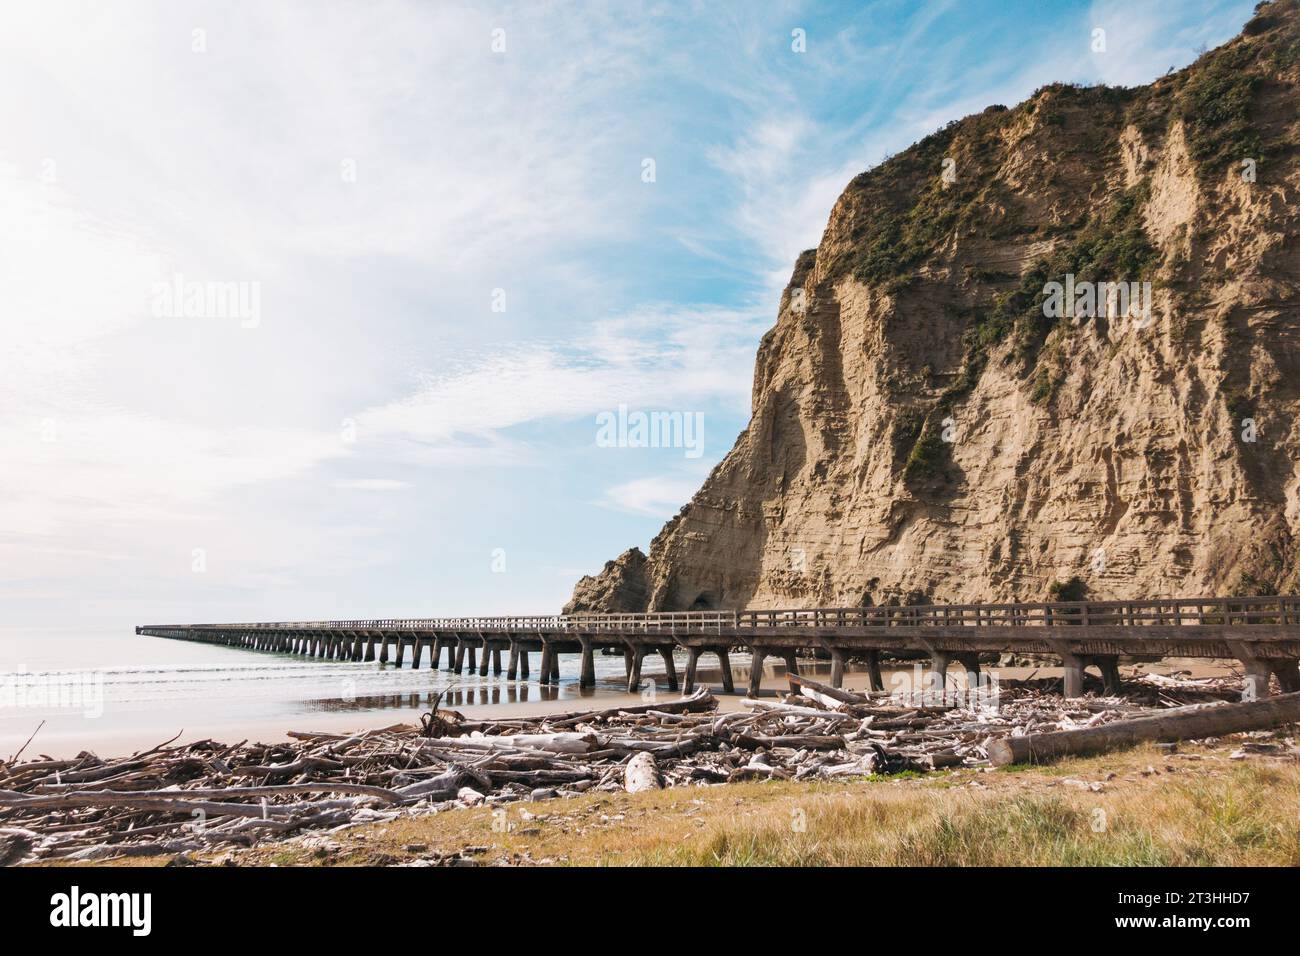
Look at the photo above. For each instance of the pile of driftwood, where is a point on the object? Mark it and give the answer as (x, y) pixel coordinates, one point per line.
(202, 795)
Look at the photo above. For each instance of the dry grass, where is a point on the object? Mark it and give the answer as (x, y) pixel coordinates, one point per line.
(1247, 816)
(1151, 809)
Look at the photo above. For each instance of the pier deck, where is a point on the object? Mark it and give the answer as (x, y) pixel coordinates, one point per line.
(1263, 633)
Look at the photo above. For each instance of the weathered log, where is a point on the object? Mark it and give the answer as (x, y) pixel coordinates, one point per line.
(1181, 723)
(700, 701)
(776, 706)
(826, 690)
(793, 741)
(130, 798)
(564, 743)
(641, 773)
(15, 843)
(301, 765)
(445, 786)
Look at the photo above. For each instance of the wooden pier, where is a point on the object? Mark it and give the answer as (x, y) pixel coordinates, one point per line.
(1263, 633)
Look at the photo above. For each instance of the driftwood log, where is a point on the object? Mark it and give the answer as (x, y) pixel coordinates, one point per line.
(1182, 723)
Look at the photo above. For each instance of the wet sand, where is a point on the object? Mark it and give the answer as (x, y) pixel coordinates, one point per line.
(515, 699)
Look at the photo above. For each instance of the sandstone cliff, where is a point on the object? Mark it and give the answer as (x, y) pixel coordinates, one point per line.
(921, 430)
(621, 585)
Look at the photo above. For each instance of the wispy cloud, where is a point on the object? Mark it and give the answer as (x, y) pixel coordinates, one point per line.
(657, 496)
(373, 484)
(669, 359)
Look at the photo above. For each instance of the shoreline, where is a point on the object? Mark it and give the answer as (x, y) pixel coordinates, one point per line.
(501, 700)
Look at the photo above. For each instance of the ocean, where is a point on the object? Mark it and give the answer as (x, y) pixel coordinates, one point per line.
(115, 694)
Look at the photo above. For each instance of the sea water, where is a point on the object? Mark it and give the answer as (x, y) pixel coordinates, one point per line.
(115, 693)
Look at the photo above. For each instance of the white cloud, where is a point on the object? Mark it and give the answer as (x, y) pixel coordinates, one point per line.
(675, 360)
(88, 465)
(659, 496)
(373, 484)
(68, 279)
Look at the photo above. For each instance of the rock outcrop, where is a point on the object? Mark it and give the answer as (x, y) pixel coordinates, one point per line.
(620, 586)
(926, 427)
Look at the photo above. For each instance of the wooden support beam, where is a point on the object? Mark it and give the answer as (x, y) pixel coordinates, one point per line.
(724, 662)
(383, 649)
(587, 677)
(523, 663)
(512, 669)
(939, 661)
(544, 671)
(634, 678)
(837, 669)
(1108, 664)
(1073, 667)
(483, 664)
(692, 661)
(415, 654)
(756, 671)
(496, 659)
(458, 665)
(670, 666)
(1258, 671)
(791, 663)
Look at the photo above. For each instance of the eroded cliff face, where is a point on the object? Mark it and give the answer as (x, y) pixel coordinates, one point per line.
(921, 430)
(621, 585)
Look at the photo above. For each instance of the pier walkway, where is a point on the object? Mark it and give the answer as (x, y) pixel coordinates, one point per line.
(1263, 633)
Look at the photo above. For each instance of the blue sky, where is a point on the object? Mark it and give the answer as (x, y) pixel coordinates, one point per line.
(381, 439)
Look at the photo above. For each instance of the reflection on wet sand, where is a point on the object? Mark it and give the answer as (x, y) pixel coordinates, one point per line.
(486, 695)
(506, 692)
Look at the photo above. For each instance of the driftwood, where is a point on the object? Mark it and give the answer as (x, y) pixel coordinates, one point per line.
(203, 795)
(1185, 723)
(816, 690)
(641, 773)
